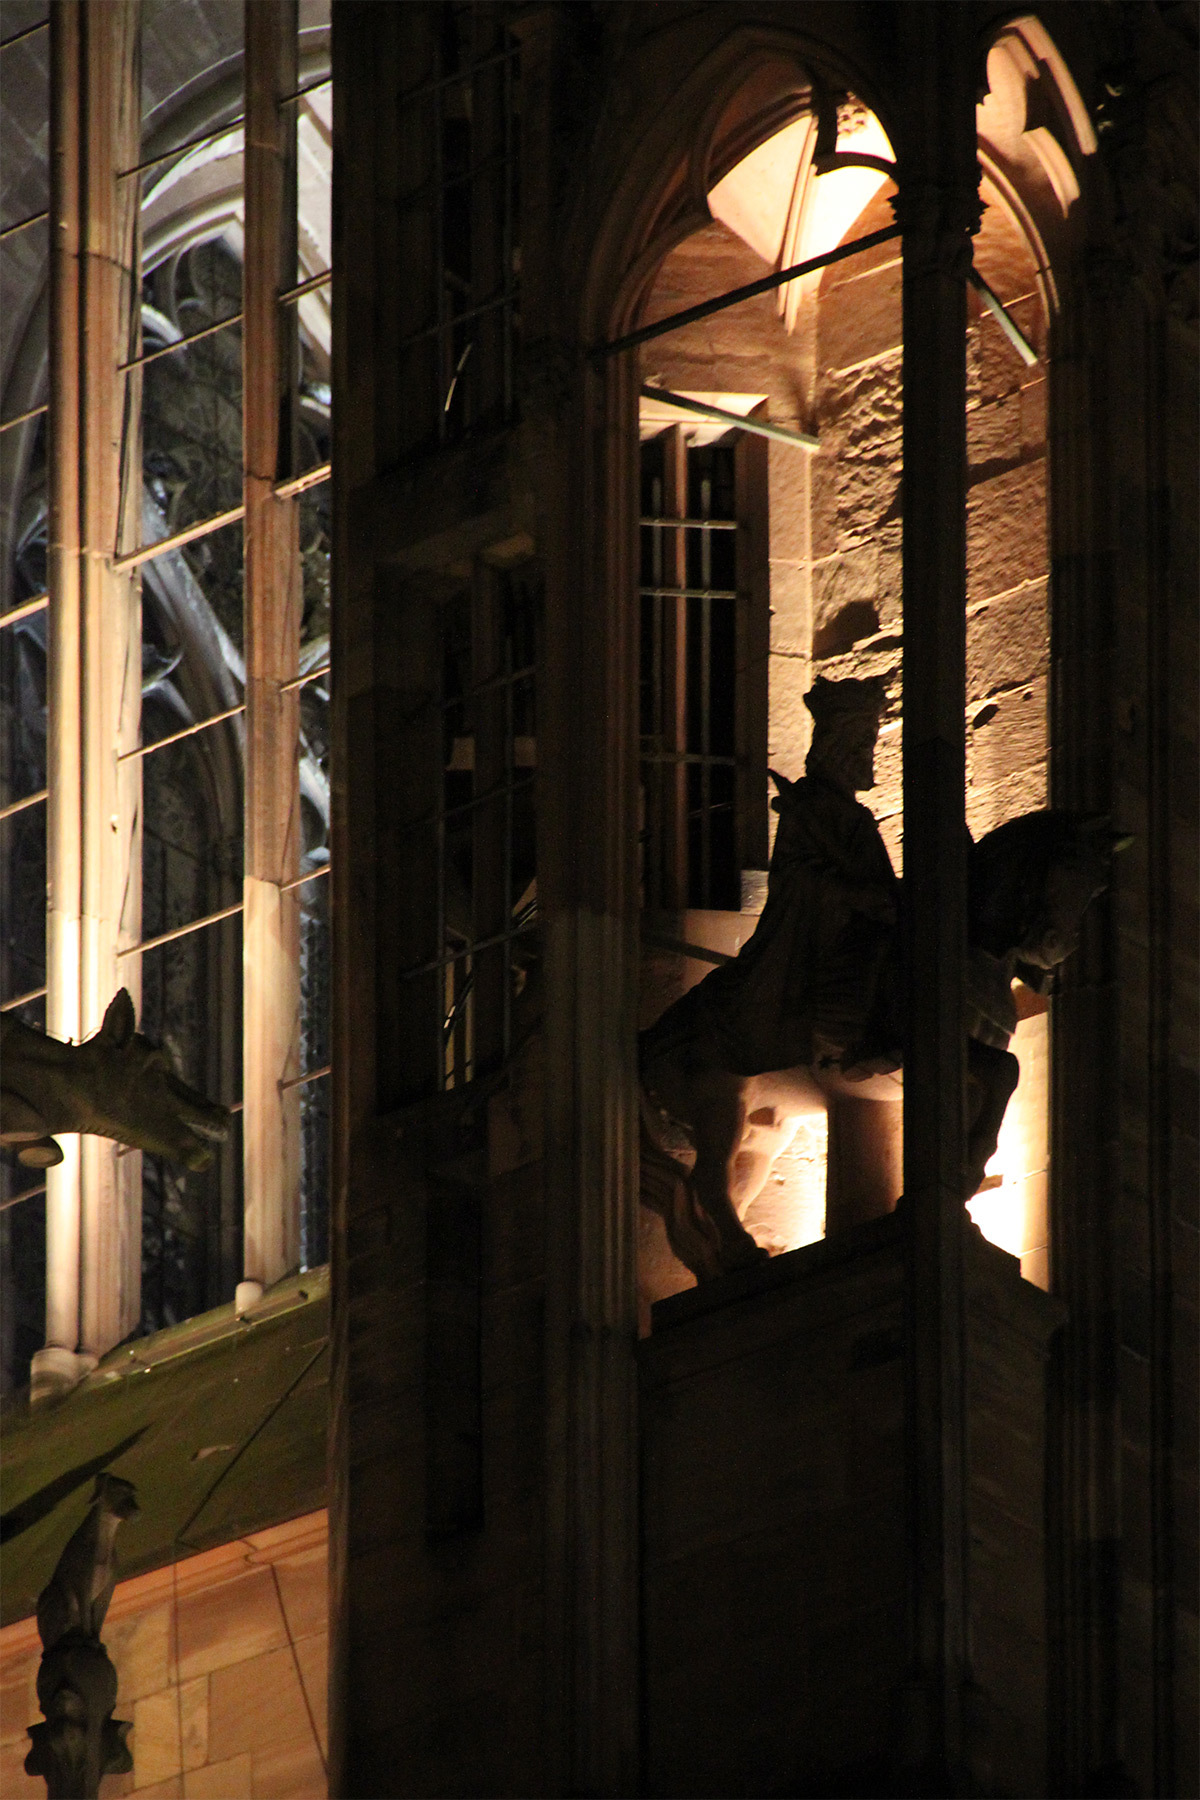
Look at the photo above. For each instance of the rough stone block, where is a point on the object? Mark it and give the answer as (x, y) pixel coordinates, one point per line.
(1007, 736)
(193, 1722)
(1008, 641)
(841, 580)
(1006, 531)
(887, 796)
(1033, 417)
(857, 471)
(18, 1695)
(992, 804)
(15, 1784)
(862, 321)
(994, 432)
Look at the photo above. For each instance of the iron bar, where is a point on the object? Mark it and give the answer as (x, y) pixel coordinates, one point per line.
(1003, 318)
(679, 757)
(299, 681)
(506, 259)
(705, 820)
(25, 999)
(510, 770)
(18, 37)
(799, 440)
(64, 672)
(450, 958)
(750, 291)
(206, 137)
(139, 362)
(24, 418)
(300, 484)
(25, 610)
(178, 539)
(17, 806)
(698, 952)
(311, 88)
(271, 1001)
(29, 1193)
(187, 731)
(490, 305)
(477, 800)
(442, 81)
(443, 349)
(38, 218)
(299, 1080)
(690, 593)
(486, 687)
(181, 931)
(301, 880)
(307, 286)
(693, 524)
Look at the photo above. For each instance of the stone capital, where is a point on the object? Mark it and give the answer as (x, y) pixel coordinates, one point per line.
(938, 221)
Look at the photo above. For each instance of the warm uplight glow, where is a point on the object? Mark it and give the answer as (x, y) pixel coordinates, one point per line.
(759, 198)
(790, 1211)
(775, 202)
(655, 415)
(1013, 1215)
(837, 199)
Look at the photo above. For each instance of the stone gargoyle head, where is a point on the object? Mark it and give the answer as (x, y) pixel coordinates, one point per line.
(115, 1085)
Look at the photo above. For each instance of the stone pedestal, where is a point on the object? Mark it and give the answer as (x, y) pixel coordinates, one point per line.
(777, 1575)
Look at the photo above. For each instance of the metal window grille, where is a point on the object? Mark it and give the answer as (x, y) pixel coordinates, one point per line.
(691, 596)
(182, 908)
(464, 116)
(483, 828)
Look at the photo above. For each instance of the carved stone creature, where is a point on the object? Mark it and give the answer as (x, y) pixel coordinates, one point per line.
(77, 1595)
(806, 1019)
(115, 1085)
(80, 1741)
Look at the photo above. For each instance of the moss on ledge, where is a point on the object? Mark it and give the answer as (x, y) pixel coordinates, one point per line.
(220, 1423)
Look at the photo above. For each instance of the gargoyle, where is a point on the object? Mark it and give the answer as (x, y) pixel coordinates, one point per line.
(115, 1085)
(80, 1741)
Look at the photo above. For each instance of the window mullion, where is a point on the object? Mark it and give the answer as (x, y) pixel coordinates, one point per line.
(273, 600)
(94, 684)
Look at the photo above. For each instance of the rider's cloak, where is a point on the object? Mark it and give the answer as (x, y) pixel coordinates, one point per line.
(813, 984)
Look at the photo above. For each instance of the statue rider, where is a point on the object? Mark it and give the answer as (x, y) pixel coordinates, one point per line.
(815, 984)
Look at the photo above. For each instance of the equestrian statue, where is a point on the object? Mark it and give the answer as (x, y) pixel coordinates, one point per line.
(807, 1019)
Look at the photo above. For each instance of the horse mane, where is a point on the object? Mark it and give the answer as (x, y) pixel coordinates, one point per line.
(1009, 869)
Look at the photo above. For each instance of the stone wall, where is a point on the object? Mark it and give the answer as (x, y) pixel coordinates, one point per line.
(774, 1525)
